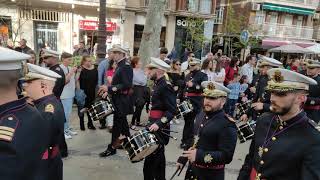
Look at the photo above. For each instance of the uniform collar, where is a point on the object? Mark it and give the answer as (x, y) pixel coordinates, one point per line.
(159, 80)
(122, 61)
(12, 105)
(54, 66)
(213, 113)
(299, 116)
(45, 98)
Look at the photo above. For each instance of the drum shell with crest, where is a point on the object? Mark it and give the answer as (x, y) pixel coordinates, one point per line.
(140, 145)
(184, 108)
(100, 109)
(246, 130)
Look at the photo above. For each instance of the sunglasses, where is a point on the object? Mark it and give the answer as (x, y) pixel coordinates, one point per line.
(211, 98)
(280, 93)
(178, 64)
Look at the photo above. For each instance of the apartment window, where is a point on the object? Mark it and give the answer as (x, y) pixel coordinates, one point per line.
(5, 29)
(260, 16)
(46, 34)
(205, 6)
(193, 5)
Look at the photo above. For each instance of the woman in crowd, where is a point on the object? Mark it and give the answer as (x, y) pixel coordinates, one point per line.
(141, 93)
(41, 62)
(219, 73)
(177, 78)
(231, 70)
(207, 69)
(88, 81)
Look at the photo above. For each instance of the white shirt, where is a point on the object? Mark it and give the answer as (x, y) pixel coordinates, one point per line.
(247, 70)
(68, 89)
(210, 74)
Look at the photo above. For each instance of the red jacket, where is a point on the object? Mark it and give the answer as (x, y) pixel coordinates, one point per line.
(230, 74)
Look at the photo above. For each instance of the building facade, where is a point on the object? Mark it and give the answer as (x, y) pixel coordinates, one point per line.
(275, 22)
(61, 24)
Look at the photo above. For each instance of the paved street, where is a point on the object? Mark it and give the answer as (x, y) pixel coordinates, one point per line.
(85, 164)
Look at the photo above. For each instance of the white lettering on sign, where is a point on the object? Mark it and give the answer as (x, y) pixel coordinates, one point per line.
(185, 23)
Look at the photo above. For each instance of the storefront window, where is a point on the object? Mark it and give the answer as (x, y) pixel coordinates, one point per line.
(5, 30)
(46, 34)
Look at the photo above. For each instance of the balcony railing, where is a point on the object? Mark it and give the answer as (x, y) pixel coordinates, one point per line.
(296, 3)
(219, 15)
(283, 31)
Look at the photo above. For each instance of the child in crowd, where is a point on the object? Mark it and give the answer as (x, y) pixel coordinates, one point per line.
(243, 87)
(233, 97)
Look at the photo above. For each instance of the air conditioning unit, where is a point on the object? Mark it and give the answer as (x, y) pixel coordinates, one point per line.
(256, 7)
(316, 16)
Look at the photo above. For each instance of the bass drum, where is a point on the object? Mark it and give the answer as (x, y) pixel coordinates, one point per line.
(100, 110)
(140, 145)
(246, 131)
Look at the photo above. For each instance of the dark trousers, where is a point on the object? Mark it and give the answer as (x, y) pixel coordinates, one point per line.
(81, 117)
(187, 136)
(194, 173)
(154, 167)
(230, 106)
(120, 126)
(137, 115)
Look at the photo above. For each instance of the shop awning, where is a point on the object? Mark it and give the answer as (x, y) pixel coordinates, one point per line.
(293, 10)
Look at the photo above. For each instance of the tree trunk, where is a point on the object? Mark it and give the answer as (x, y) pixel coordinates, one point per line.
(101, 39)
(150, 41)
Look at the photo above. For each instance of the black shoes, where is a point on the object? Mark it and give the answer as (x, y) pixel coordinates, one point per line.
(108, 152)
(91, 127)
(103, 127)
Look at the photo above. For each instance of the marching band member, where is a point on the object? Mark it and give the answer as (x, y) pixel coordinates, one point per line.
(312, 105)
(261, 98)
(216, 134)
(194, 94)
(286, 143)
(39, 84)
(162, 112)
(120, 97)
(23, 131)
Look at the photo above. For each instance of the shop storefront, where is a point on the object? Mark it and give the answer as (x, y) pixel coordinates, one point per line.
(88, 32)
(5, 29)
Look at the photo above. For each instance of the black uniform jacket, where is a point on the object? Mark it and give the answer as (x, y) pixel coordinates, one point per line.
(23, 140)
(217, 140)
(312, 106)
(58, 88)
(52, 110)
(120, 88)
(284, 150)
(163, 105)
(196, 77)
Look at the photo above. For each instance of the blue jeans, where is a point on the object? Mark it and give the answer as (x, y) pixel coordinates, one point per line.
(230, 106)
(67, 107)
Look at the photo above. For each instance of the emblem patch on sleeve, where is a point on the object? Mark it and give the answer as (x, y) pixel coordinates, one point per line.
(208, 158)
(49, 108)
(8, 125)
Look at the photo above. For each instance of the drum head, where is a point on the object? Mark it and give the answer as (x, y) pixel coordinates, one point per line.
(145, 152)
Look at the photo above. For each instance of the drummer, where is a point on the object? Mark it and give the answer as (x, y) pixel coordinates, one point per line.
(215, 137)
(162, 112)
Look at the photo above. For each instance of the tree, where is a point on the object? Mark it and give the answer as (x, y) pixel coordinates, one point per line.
(234, 25)
(101, 49)
(150, 41)
(195, 30)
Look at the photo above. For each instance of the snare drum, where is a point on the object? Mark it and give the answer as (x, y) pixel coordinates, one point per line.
(100, 109)
(246, 131)
(140, 145)
(184, 108)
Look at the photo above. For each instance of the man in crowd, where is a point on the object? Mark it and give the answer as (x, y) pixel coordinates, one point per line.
(23, 131)
(39, 83)
(162, 112)
(120, 91)
(248, 68)
(51, 59)
(261, 98)
(23, 46)
(81, 51)
(163, 55)
(194, 94)
(216, 134)
(286, 143)
(312, 105)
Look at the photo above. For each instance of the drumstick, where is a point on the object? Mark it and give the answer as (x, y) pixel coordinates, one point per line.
(169, 135)
(174, 174)
(182, 169)
(169, 130)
